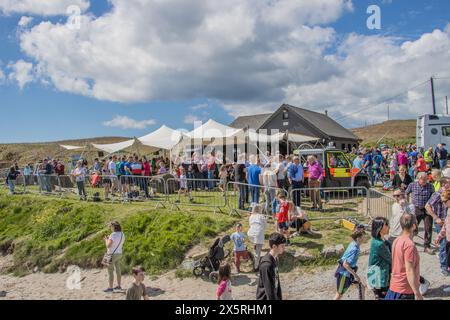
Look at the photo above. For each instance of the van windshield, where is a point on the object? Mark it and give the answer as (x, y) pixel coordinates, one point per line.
(337, 160)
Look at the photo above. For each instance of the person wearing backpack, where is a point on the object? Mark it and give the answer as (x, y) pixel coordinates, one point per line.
(113, 257)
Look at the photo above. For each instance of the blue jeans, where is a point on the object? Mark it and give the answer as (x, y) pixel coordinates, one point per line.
(442, 163)
(275, 205)
(254, 191)
(242, 196)
(372, 177)
(11, 185)
(204, 184)
(297, 196)
(211, 184)
(442, 252)
(270, 197)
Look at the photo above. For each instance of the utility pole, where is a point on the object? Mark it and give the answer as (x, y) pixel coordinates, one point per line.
(388, 112)
(432, 95)
(446, 104)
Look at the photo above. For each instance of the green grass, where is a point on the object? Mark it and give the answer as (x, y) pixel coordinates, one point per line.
(51, 233)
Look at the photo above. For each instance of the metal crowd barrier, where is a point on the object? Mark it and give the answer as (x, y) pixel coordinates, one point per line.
(197, 192)
(142, 188)
(237, 197)
(240, 197)
(42, 184)
(331, 203)
(380, 204)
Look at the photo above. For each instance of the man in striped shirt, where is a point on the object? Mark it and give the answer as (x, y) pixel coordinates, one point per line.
(421, 191)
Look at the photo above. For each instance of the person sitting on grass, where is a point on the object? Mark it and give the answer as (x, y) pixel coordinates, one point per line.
(184, 188)
(240, 249)
(224, 290)
(282, 217)
(346, 272)
(299, 221)
(137, 290)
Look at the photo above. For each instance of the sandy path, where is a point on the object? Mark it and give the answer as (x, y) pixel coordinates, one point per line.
(317, 285)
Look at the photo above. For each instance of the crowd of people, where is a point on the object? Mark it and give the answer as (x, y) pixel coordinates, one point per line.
(420, 180)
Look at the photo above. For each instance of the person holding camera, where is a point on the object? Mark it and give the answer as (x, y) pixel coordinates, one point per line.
(113, 257)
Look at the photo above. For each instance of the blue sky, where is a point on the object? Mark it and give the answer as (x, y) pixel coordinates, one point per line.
(41, 112)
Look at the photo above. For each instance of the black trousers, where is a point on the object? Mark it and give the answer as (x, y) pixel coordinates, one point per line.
(297, 196)
(422, 215)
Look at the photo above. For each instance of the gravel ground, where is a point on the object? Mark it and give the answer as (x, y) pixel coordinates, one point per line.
(297, 285)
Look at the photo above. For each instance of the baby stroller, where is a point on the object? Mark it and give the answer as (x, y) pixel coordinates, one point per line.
(211, 263)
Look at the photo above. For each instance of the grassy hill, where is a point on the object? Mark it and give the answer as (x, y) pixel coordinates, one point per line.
(393, 131)
(30, 152)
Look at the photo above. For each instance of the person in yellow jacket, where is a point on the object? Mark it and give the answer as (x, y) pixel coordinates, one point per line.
(428, 157)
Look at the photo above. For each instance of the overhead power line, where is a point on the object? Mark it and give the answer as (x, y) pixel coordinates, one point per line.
(369, 106)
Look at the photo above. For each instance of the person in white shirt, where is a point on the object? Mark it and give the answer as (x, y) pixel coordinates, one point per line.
(269, 179)
(400, 207)
(112, 167)
(114, 245)
(80, 177)
(258, 226)
(281, 173)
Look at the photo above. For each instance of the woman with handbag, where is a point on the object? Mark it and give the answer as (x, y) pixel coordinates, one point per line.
(114, 244)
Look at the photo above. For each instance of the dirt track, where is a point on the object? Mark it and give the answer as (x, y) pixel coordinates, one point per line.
(318, 285)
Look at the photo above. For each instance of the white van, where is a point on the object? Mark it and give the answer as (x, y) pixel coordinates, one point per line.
(432, 130)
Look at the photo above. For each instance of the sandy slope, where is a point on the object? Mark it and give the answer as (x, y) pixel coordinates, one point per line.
(296, 285)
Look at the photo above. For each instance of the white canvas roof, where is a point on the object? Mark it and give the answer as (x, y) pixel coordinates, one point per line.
(213, 130)
(163, 138)
(70, 147)
(115, 147)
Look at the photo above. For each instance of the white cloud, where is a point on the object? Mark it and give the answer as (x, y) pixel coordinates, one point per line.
(201, 106)
(447, 28)
(41, 7)
(177, 49)
(2, 75)
(125, 122)
(22, 73)
(24, 21)
(191, 119)
(250, 56)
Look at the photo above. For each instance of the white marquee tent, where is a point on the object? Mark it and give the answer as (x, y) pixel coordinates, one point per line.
(164, 138)
(115, 147)
(67, 147)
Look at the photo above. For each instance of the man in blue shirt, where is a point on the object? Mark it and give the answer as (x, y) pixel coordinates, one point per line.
(296, 178)
(368, 164)
(358, 162)
(254, 179)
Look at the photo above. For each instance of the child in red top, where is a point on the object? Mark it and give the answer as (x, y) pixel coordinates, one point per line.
(283, 217)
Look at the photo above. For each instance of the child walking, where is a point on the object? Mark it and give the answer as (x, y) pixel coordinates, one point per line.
(184, 189)
(137, 290)
(224, 291)
(223, 175)
(283, 217)
(346, 271)
(240, 249)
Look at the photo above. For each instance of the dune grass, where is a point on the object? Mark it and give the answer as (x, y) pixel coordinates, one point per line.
(51, 234)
